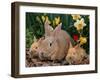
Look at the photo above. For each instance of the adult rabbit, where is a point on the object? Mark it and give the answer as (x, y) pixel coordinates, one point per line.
(55, 45)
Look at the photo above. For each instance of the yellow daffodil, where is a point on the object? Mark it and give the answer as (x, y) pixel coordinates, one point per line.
(38, 19)
(76, 16)
(54, 23)
(82, 40)
(57, 20)
(43, 18)
(79, 24)
(47, 19)
(88, 17)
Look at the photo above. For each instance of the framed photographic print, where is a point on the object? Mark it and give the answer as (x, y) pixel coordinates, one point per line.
(53, 39)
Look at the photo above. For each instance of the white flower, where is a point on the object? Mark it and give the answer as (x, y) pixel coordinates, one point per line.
(79, 24)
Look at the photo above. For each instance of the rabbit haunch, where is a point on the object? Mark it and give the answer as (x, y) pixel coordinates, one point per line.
(55, 44)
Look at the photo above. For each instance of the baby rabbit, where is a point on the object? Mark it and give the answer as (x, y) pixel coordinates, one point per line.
(76, 55)
(54, 46)
(33, 49)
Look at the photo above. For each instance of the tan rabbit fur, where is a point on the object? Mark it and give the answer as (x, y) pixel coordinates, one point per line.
(33, 49)
(76, 55)
(55, 44)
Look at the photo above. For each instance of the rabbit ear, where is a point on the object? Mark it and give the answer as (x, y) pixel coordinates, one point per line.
(57, 29)
(77, 46)
(48, 28)
(35, 40)
(41, 39)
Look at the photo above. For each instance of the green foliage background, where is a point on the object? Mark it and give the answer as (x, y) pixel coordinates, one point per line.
(35, 26)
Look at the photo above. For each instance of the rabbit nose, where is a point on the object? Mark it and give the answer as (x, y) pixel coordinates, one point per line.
(41, 56)
(42, 53)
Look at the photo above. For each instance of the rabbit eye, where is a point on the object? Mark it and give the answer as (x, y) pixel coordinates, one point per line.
(36, 47)
(50, 44)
